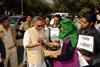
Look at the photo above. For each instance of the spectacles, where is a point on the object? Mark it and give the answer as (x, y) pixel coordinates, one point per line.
(39, 25)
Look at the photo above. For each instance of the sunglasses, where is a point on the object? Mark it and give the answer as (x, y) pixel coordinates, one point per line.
(39, 25)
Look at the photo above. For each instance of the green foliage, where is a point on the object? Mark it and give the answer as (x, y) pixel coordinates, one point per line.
(75, 6)
(40, 7)
(37, 7)
(84, 10)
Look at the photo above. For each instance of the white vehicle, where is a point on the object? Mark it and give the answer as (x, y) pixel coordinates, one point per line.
(62, 14)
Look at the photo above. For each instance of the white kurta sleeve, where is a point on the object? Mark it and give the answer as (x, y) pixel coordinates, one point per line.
(26, 39)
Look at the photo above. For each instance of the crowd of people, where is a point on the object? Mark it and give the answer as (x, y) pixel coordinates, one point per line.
(80, 46)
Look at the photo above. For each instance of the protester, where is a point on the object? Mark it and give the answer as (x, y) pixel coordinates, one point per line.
(55, 28)
(8, 37)
(98, 17)
(87, 28)
(69, 34)
(57, 19)
(33, 40)
(47, 27)
(47, 20)
(51, 35)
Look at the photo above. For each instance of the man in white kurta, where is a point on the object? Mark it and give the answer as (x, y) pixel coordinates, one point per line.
(31, 42)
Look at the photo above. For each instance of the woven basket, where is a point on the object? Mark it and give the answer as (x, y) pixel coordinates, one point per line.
(49, 53)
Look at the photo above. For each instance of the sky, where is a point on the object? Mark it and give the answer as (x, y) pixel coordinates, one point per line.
(50, 1)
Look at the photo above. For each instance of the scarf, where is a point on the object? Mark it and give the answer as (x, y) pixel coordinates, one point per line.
(68, 30)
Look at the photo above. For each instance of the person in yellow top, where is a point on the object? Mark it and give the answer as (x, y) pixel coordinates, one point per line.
(7, 34)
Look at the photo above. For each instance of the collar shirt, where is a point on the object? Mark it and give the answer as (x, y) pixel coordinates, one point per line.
(24, 26)
(8, 39)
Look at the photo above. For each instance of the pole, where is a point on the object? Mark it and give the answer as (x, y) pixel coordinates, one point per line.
(22, 7)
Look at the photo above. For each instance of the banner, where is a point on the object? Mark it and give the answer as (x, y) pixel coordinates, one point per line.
(85, 42)
(82, 61)
(54, 32)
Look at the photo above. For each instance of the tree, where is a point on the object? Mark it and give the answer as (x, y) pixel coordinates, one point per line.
(37, 7)
(29, 6)
(74, 6)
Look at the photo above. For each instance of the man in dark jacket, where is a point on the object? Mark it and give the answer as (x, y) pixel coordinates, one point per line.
(87, 28)
(2, 53)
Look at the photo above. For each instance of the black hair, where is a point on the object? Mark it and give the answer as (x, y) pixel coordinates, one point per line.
(58, 17)
(31, 15)
(91, 18)
(71, 16)
(48, 17)
(2, 18)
